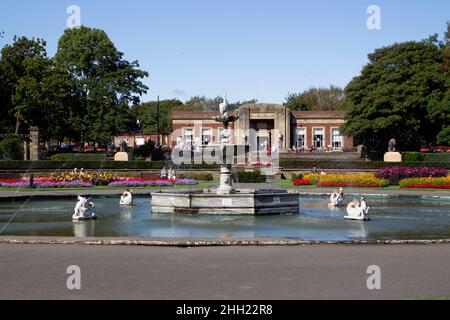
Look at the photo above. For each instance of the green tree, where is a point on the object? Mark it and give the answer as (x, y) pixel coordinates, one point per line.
(201, 103)
(105, 83)
(316, 99)
(23, 64)
(236, 105)
(147, 114)
(398, 95)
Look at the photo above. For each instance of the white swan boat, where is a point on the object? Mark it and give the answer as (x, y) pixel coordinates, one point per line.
(126, 199)
(337, 198)
(358, 210)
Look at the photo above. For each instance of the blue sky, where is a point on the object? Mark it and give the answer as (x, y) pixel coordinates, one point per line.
(246, 48)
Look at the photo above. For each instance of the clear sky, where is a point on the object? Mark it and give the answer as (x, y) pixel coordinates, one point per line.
(246, 48)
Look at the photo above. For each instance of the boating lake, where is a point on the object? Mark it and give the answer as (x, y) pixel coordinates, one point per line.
(391, 218)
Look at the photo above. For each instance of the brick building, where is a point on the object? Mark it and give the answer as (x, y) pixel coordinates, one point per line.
(266, 124)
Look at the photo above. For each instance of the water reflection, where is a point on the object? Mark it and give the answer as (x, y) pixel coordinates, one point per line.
(82, 229)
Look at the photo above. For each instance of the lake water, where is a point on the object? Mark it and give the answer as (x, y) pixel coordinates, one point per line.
(392, 218)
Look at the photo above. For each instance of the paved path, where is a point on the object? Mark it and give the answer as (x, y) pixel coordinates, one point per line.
(299, 272)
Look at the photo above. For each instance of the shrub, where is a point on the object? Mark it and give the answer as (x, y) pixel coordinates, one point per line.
(199, 176)
(395, 174)
(437, 157)
(297, 176)
(412, 156)
(250, 177)
(11, 149)
(145, 150)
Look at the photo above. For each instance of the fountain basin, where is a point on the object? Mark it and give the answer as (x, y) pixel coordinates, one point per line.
(241, 202)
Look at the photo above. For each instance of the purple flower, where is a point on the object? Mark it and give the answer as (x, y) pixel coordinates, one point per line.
(128, 184)
(15, 185)
(395, 174)
(71, 184)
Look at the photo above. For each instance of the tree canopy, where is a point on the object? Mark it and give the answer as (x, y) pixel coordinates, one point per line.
(316, 99)
(402, 93)
(147, 114)
(105, 83)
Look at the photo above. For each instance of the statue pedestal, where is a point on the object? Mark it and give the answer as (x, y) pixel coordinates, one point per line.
(123, 156)
(226, 184)
(392, 157)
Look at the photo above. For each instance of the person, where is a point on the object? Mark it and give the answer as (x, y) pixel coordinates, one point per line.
(164, 173)
(170, 174)
(31, 181)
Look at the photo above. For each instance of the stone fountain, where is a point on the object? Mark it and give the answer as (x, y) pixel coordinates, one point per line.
(226, 199)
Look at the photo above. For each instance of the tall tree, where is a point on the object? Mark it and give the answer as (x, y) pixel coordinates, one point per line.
(106, 84)
(23, 64)
(440, 110)
(397, 96)
(316, 99)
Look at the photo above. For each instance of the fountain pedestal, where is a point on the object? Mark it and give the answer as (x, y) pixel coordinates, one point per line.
(226, 181)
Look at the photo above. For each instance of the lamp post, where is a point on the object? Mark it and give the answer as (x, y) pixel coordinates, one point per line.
(158, 128)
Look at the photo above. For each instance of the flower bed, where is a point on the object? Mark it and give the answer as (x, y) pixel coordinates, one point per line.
(301, 182)
(123, 182)
(352, 180)
(95, 177)
(395, 174)
(425, 183)
(364, 180)
(45, 184)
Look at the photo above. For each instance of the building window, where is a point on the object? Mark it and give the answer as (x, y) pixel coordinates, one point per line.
(188, 136)
(336, 139)
(301, 138)
(206, 136)
(318, 138)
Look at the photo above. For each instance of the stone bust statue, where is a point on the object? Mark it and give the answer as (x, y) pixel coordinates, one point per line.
(392, 145)
(124, 146)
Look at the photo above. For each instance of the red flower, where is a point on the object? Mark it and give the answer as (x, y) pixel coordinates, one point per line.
(301, 182)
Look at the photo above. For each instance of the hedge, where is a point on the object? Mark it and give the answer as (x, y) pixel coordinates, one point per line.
(427, 157)
(149, 165)
(79, 157)
(249, 177)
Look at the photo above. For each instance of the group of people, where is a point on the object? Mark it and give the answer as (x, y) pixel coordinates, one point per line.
(168, 174)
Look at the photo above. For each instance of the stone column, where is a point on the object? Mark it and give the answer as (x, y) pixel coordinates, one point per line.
(34, 143)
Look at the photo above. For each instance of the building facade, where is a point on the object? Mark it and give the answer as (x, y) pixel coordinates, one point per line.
(265, 125)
